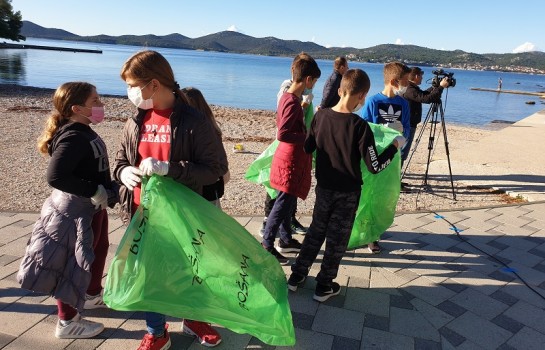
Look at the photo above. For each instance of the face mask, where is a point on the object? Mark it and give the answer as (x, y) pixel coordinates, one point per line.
(358, 107)
(97, 115)
(401, 90)
(135, 96)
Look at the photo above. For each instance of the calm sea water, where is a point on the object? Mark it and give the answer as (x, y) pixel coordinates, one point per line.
(249, 81)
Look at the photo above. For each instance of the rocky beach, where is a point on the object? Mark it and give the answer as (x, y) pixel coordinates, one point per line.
(24, 187)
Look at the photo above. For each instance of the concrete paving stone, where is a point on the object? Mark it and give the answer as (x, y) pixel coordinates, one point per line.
(428, 291)
(16, 246)
(28, 216)
(520, 291)
(355, 268)
(478, 224)
(411, 323)
(11, 233)
(505, 298)
(377, 339)
(334, 321)
(505, 346)
(425, 344)
(453, 285)
(498, 245)
(368, 301)
(478, 303)
(46, 341)
(436, 272)
(451, 308)
(399, 277)
(377, 322)
(521, 256)
(302, 302)
(390, 261)
(539, 267)
(9, 269)
(523, 243)
(432, 314)
(358, 282)
(342, 343)
(130, 333)
(479, 330)
(399, 301)
(5, 339)
(527, 339)
(507, 323)
(537, 252)
(451, 336)
(412, 221)
(255, 343)
(432, 254)
(451, 266)
(528, 274)
(380, 283)
(478, 281)
(436, 229)
(302, 321)
(538, 225)
(511, 219)
(7, 259)
(476, 263)
(458, 248)
(528, 315)
(309, 340)
(512, 230)
(502, 275)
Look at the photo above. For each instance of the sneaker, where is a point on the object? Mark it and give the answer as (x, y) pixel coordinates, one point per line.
(293, 246)
(205, 334)
(78, 328)
(151, 342)
(297, 227)
(94, 302)
(374, 248)
(282, 260)
(323, 293)
(294, 282)
(262, 231)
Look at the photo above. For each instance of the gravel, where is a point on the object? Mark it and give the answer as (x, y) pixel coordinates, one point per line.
(23, 168)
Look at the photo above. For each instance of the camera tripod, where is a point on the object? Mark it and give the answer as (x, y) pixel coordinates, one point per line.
(436, 111)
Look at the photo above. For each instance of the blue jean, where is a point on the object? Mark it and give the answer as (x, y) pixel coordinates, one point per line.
(279, 219)
(407, 147)
(155, 323)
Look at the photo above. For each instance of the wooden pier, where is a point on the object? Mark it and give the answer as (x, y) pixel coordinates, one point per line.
(53, 48)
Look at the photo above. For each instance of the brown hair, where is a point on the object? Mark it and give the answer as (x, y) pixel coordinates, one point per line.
(414, 72)
(340, 61)
(67, 95)
(355, 81)
(146, 65)
(304, 66)
(196, 100)
(395, 70)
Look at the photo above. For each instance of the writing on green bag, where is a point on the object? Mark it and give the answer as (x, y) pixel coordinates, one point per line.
(138, 235)
(196, 243)
(242, 294)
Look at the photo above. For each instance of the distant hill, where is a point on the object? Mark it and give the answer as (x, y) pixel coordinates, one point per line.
(229, 41)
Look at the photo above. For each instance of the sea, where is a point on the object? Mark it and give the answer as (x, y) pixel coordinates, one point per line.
(252, 81)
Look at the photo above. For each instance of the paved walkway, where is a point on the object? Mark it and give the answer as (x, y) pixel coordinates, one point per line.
(430, 288)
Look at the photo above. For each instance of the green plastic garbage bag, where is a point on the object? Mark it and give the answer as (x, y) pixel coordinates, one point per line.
(379, 195)
(181, 256)
(260, 170)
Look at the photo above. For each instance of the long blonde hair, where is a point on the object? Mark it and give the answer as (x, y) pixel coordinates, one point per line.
(147, 65)
(197, 101)
(67, 95)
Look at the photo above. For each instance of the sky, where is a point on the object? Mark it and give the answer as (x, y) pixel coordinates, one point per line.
(476, 26)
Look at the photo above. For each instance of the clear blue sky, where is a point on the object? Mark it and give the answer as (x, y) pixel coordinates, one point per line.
(471, 25)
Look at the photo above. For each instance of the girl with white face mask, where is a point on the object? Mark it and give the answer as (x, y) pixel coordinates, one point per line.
(156, 141)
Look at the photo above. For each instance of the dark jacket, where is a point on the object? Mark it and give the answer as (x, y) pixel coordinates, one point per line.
(330, 96)
(416, 96)
(194, 152)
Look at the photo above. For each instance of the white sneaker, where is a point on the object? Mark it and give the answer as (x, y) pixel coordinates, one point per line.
(78, 328)
(94, 302)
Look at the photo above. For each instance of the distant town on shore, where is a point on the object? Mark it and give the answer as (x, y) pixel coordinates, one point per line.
(235, 42)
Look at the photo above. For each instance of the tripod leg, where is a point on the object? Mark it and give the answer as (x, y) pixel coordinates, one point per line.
(416, 143)
(431, 140)
(447, 152)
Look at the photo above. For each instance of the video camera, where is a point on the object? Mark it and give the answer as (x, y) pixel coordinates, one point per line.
(439, 75)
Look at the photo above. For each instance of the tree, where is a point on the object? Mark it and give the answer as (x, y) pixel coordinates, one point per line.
(10, 23)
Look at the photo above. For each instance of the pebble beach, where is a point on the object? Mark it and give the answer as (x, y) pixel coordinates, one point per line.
(23, 168)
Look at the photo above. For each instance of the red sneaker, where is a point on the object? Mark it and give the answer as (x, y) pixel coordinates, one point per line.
(206, 335)
(151, 342)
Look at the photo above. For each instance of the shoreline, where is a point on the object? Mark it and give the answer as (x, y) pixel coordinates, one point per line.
(12, 89)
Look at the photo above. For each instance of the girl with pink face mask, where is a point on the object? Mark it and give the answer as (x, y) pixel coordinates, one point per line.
(66, 254)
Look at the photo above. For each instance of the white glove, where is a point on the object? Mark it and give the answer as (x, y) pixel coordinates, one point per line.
(100, 198)
(153, 166)
(400, 140)
(130, 176)
(307, 99)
